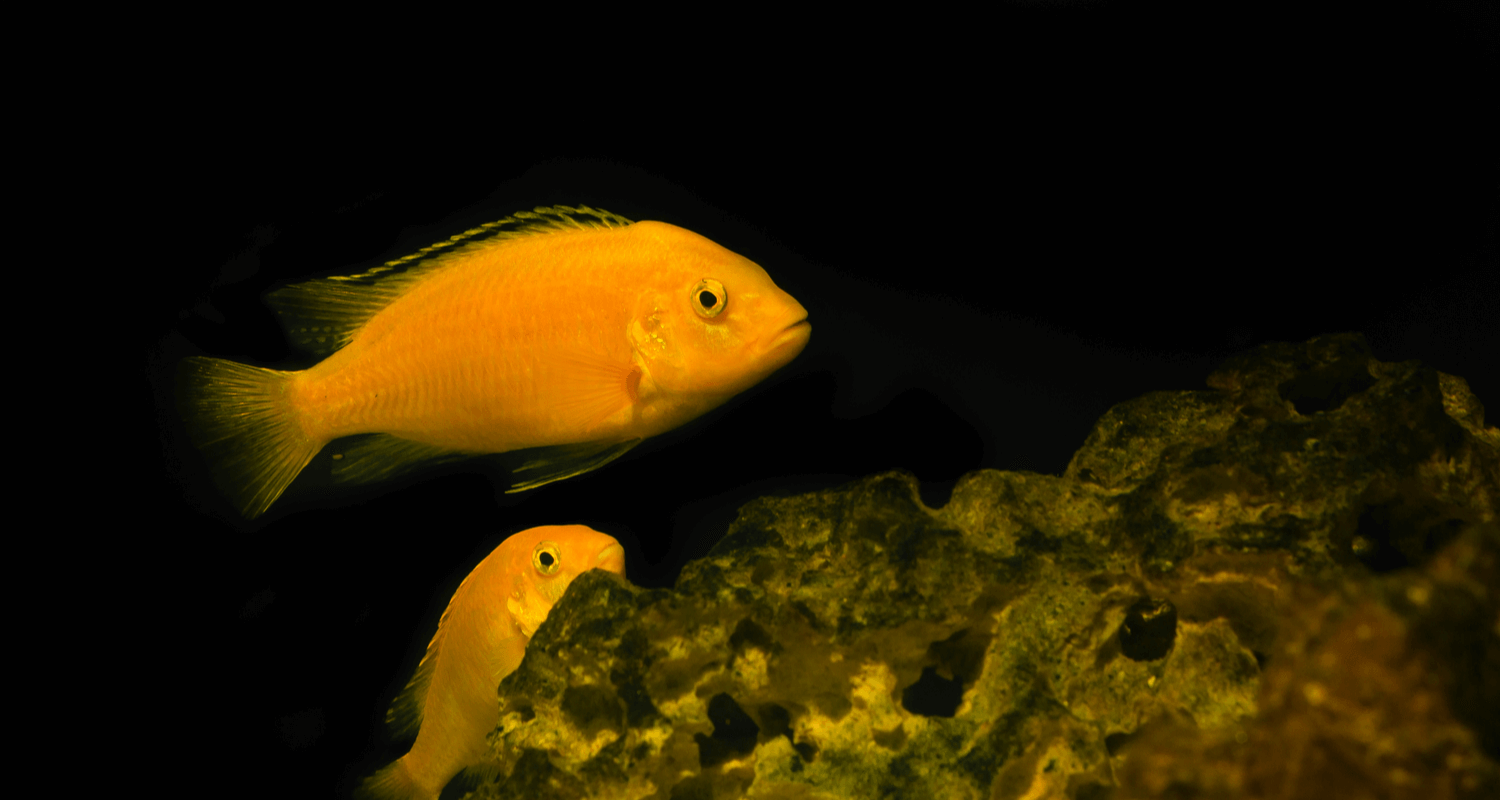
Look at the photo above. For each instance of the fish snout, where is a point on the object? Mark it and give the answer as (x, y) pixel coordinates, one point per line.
(793, 337)
(793, 330)
(611, 558)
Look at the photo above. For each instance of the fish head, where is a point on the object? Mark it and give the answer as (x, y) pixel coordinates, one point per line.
(716, 324)
(545, 560)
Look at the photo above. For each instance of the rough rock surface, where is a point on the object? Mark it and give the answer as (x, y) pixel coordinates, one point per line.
(1282, 584)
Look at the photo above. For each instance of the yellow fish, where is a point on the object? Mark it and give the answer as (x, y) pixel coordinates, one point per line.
(572, 333)
(451, 700)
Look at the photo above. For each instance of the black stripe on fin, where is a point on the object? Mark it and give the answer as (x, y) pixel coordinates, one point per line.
(322, 316)
(558, 462)
(376, 457)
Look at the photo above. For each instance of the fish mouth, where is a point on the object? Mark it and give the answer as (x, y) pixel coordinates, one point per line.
(611, 558)
(798, 332)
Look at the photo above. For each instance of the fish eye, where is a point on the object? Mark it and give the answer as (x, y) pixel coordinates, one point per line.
(546, 558)
(709, 298)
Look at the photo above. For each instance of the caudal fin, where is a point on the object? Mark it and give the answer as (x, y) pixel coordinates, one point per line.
(242, 420)
(394, 782)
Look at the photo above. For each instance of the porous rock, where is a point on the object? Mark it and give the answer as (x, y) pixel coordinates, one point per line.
(1221, 590)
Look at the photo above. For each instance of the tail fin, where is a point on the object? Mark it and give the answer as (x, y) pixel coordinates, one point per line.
(394, 782)
(241, 419)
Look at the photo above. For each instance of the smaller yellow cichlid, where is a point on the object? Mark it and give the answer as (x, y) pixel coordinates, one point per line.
(568, 333)
(451, 701)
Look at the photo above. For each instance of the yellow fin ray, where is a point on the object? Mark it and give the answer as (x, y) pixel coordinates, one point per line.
(592, 388)
(539, 220)
(240, 418)
(392, 782)
(558, 462)
(322, 316)
(405, 714)
(375, 457)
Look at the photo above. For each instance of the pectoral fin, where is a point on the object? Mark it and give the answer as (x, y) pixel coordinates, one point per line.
(543, 465)
(590, 387)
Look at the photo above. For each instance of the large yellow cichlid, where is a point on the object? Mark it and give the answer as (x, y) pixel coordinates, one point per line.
(451, 701)
(571, 333)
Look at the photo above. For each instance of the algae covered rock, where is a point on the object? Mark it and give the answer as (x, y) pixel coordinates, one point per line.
(1222, 587)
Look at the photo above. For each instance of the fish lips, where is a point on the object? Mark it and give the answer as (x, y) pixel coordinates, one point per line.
(794, 336)
(611, 558)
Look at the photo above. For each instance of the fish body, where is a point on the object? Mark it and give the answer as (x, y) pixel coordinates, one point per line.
(569, 333)
(451, 701)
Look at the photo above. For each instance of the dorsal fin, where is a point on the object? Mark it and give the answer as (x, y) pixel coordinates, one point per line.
(405, 713)
(323, 315)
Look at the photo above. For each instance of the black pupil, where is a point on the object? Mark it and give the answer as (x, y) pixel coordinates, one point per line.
(707, 299)
(546, 559)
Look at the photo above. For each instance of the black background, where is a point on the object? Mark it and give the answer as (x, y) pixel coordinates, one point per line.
(995, 240)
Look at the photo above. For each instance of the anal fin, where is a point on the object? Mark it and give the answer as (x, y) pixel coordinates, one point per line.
(376, 457)
(545, 465)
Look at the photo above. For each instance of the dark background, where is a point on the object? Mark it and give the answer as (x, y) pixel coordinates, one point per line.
(996, 242)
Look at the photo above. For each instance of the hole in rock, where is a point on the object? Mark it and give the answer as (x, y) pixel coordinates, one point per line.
(933, 695)
(734, 733)
(962, 654)
(1149, 629)
(1115, 741)
(775, 721)
(1327, 387)
(1402, 533)
(749, 634)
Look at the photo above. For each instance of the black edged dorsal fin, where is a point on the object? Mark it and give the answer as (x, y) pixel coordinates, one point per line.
(406, 711)
(322, 316)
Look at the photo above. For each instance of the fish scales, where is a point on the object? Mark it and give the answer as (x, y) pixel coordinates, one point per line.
(572, 340)
(490, 392)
